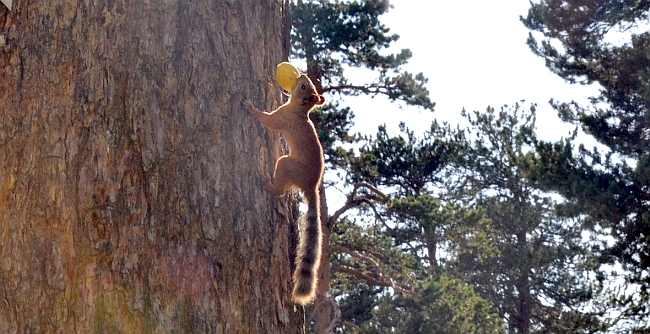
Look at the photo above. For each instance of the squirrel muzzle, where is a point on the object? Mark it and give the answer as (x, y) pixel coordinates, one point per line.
(316, 99)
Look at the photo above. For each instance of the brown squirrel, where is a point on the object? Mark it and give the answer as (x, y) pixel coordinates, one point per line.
(303, 168)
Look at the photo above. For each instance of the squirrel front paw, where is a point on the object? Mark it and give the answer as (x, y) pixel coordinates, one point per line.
(249, 106)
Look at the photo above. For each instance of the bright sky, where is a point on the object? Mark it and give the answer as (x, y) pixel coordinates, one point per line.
(474, 54)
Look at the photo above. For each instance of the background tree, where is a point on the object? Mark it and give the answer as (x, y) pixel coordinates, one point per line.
(607, 43)
(489, 229)
(333, 36)
(538, 277)
(446, 306)
(130, 190)
(426, 230)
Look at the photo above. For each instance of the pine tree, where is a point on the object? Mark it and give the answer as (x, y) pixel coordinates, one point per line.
(538, 277)
(428, 230)
(607, 43)
(335, 36)
(490, 227)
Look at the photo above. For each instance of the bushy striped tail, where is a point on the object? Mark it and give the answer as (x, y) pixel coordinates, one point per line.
(308, 252)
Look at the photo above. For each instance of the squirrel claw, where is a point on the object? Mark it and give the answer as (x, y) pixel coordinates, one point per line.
(268, 185)
(249, 105)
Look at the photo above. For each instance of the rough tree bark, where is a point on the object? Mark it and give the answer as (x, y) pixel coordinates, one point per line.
(131, 177)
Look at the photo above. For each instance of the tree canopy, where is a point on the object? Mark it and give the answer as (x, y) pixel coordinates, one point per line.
(462, 230)
(607, 43)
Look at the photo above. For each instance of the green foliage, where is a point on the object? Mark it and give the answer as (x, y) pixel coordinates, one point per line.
(364, 248)
(425, 227)
(351, 29)
(612, 188)
(446, 305)
(334, 35)
(333, 128)
(538, 278)
(407, 164)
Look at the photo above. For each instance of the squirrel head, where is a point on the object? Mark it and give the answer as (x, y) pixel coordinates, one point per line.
(305, 93)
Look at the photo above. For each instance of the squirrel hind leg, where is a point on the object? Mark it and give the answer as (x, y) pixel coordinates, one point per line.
(282, 177)
(278, 191)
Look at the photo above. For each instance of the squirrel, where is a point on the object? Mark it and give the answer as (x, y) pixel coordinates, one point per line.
(303, 168)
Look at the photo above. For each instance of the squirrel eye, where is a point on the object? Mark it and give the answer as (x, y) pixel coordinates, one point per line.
(303, 87)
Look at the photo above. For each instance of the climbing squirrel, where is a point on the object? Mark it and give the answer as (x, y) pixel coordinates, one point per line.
(303, 168)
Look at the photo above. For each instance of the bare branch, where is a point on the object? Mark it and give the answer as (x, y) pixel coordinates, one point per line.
(371, 188)
(345, 248)
(351, 325)
(366, 89)
(356, 255)
(353, 201)
(380, 272)
(373, 281)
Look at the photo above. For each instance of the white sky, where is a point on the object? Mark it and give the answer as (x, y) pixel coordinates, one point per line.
(474, 54)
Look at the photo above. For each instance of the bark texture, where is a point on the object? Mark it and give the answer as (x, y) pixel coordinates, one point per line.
(131, 196)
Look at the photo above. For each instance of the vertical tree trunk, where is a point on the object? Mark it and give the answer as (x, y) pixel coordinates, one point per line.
(131, 177)
(322, 311)
(522, 319)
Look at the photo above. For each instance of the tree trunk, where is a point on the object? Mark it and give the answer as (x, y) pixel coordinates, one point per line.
(524, 299)
(131, 195)
(322, 311)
